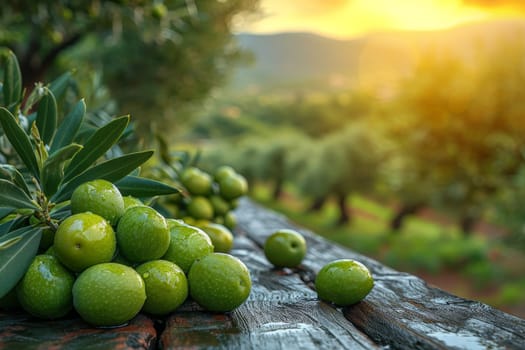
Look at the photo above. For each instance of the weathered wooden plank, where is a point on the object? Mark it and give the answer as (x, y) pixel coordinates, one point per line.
(282, 312)
(402, 311)
(21, 331)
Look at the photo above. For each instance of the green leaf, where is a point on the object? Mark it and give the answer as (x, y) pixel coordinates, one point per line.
(141, 187)
(30, 101)
(53, 170)
(164, 151)
(11, 196)
(60, 213)
(12, 88)
(69, 127)
(5, 211)
(111, 170)
(59, 85)
(10, 173)
(98, 144)
(17, 250)
(6, 226)
(9, 242)
(16, 222)
(196, 158)
(19, 140)
(40, 148)
(135, 172)
(46, 118)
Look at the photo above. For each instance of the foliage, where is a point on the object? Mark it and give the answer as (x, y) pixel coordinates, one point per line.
(342, 163)
(461, 129)
(166, 53)
(351, 160)
(509, 209)
(178, 71)
(49, 158)
(322, 144)
(273, 158)
(450, 138)
(315, 116)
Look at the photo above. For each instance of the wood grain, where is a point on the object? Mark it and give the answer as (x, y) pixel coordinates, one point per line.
(21, 331)
(402, 311)
(283, 311)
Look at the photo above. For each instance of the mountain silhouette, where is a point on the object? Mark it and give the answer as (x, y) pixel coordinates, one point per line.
(289, 60)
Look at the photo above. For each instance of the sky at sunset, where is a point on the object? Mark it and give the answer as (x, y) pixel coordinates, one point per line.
(348, 18)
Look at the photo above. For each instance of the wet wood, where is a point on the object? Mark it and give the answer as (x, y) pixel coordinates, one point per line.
(283, 311)
(402, 311)
(21, 331)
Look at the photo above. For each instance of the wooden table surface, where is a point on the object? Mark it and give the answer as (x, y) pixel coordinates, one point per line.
(283, 312)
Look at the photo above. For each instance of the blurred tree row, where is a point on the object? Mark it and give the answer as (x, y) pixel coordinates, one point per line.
(453, 138)
(464, 130)
(156, 57)
(286, 143)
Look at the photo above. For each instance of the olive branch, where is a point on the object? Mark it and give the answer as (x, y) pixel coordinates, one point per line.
(45, 159)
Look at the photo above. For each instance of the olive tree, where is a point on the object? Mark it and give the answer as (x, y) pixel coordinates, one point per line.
(156, 56)
(344, 163)
(463, 128)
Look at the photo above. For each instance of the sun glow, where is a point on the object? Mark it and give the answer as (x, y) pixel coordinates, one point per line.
(348, 18)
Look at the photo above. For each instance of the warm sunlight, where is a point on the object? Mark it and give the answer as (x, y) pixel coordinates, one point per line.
(347, 18)
(245, 174)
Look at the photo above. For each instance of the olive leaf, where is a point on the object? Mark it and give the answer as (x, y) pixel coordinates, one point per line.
(61, 212)
(141, 187)
(17, 250)
(7, 226)
(10, 173)
(11, 196)
(53, 169)
(95, 147)
(59, 86)
(111, 170)
(5, 211)
(46, 117)
(19, 140)
(12, 88)
(69, 127)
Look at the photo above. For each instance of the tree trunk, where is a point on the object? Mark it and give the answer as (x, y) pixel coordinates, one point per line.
(406, 209)
(277, 189)
(345, 216)
(317, 204)
(466, 223)
(35, 64)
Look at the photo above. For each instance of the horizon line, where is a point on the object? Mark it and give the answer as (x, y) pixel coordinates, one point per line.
(374, 32)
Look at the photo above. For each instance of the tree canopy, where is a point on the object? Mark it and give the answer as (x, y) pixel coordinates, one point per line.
(462, 129)
(156, 56)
